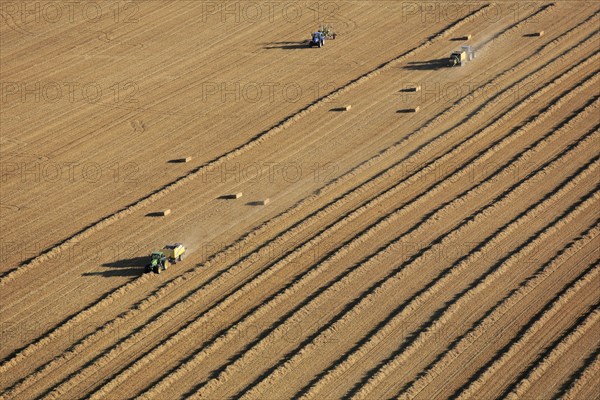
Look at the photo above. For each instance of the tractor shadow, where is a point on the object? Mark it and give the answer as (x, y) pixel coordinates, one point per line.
(127, 267)
(288, 45)
(439, 63)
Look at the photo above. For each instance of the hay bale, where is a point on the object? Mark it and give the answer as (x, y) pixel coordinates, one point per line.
(181, 160)
(409, 110)
(540, 33)
(232, 195)
(166, 212)
(263, 202)
(411, 89)
(466, 37)
(342, 108)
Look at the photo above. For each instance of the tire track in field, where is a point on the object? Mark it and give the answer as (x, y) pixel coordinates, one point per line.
(585, 378)
(500, 310)
(551, 310)
(564, 98)
(255, 141)
(107, 301)
(526, 129)
(535, 373)
(325, 333)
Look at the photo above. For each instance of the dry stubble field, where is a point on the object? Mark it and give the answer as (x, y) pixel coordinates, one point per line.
(449, 253)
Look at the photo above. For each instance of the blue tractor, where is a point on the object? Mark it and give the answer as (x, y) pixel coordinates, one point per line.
(318, 39)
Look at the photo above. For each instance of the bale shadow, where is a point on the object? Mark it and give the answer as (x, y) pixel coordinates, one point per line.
(338, 109)
(177, 161)
(155, 214)
(435, 64)
(126, 267)
(254, 203)
(227, 197)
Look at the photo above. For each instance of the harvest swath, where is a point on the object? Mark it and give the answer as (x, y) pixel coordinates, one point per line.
(336, 245)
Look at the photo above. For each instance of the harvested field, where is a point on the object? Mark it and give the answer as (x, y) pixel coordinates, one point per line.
(407, 229)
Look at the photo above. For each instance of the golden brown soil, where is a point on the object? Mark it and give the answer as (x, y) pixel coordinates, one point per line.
(448, 253)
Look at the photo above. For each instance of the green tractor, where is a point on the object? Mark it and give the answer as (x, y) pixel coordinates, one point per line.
(160, 260)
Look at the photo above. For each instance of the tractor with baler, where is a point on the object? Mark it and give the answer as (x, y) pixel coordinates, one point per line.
(318, 37)
(460, 57)
(161, 260)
